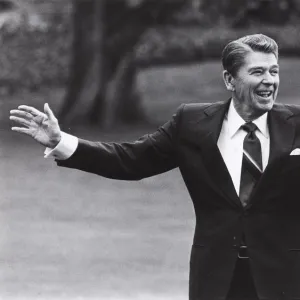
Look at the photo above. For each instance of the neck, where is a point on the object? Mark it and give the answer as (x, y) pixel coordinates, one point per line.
(248, 115)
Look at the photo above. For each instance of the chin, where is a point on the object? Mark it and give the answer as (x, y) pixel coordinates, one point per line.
(266, 107)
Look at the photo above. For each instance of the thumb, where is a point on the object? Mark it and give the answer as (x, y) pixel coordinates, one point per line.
(49, 112)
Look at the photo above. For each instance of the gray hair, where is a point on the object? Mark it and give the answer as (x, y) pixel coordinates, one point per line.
(234, 52)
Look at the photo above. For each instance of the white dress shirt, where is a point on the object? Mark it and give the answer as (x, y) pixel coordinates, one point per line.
(230, 143)
(65, 148)
(231, 139)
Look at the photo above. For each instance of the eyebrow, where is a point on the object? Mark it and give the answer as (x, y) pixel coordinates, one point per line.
(261, 67)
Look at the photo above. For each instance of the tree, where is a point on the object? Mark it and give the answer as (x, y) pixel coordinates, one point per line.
(241, 13)
(103, 73)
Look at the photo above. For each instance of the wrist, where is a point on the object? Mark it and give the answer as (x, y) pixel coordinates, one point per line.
(55, 140)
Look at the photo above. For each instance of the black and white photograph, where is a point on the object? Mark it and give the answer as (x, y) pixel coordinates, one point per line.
(149, 149)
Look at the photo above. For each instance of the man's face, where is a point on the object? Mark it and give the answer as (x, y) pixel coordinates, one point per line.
(256, 84)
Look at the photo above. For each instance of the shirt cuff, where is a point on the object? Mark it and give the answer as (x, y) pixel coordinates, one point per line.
(65, 148)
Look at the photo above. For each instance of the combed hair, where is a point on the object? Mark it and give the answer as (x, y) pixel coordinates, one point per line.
(234, 52)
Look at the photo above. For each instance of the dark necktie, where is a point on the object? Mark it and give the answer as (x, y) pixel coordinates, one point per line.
(252, 163)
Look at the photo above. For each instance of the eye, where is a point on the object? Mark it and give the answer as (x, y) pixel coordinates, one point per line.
(257, 72)
(274, 72)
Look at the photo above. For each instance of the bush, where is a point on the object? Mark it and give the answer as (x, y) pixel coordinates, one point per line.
(181, 44)
(32, 56)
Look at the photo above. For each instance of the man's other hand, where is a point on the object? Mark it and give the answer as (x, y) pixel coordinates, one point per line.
(42, 126)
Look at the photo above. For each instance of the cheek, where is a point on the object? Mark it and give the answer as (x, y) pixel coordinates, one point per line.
(247, 86)
(241, 87)
(244, 89)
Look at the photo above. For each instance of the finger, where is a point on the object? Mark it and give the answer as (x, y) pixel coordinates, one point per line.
(22, 130)
(21, 113)
(31, 110)
(49, 112)
(20, 121)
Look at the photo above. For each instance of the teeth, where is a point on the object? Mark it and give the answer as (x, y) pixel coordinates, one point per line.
(264, 94)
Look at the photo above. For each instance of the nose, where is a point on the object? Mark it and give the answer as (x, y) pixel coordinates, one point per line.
(268, 79)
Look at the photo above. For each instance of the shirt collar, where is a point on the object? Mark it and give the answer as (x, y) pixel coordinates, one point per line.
(235, 121)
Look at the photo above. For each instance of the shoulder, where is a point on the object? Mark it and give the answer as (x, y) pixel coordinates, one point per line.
(288, 111)
(192, 108)
(293, 110)
(291, 107)
(196, 109)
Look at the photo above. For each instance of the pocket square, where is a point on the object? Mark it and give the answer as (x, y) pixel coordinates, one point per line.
(295, 151)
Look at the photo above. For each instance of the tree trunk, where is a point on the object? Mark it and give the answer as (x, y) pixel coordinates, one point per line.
(87, 79)
(102, 76)
(102, 86)
(123, 99)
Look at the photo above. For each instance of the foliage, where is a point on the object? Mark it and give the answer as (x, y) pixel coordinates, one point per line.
(31, 58)
(197, 43)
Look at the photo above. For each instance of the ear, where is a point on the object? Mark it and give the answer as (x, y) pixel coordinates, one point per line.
(228, 80)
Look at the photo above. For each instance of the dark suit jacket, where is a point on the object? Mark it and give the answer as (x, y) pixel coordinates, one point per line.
(271, 221)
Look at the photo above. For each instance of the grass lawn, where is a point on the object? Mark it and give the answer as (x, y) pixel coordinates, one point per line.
(67, 234)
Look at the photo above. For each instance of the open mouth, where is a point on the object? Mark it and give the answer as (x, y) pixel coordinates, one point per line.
(264, 94)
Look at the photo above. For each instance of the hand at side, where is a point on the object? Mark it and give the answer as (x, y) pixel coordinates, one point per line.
(41, 126)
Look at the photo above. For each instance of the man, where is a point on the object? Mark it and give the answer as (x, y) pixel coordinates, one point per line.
(235, 158)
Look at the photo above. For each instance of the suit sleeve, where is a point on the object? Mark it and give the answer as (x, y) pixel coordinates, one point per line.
(150, 155)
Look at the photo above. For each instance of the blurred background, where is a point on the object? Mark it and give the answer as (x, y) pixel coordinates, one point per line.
(112, 70)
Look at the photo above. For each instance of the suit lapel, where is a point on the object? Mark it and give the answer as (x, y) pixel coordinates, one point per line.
(282, 133)
(207, 130)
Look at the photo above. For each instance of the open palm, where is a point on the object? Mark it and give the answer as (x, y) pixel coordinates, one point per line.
(41, 126)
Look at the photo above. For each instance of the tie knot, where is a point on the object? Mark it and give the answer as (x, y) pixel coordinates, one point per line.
(249, 127)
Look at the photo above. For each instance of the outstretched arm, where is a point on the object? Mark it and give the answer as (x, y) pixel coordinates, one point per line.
(41, 126)
(150, 155)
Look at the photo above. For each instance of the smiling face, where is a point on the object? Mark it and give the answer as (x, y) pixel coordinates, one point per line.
(255, 85)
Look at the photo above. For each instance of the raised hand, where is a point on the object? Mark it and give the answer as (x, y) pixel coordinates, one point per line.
(42, 126)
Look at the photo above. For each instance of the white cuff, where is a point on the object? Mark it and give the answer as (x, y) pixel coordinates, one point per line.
(65, 148)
